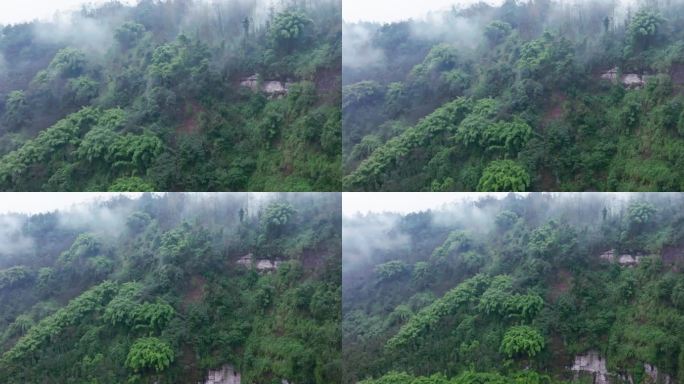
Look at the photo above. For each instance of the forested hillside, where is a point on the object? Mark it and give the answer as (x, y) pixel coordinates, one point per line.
(527, 289)
(176, 95)
(543, 95)
(166, 289)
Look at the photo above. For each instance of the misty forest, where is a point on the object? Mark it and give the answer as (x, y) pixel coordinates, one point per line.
(175, 288)
(539, 95)
(176, 95)
(536, 289)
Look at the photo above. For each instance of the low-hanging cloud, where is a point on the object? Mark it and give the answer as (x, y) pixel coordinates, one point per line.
(226, 18)
(447, 27)
(95, 218)
(465, 215)
(464, 28)
(357, 46)
(365, 236)
(12, 240)
(77, 31)
(229, 13)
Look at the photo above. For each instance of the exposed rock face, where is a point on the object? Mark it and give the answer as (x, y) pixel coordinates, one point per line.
(246, 261)
(261, 265)
(592, 363)
(268, 265)
(656, 376)
(251, 82)
(270, 87)
(608, 256)
(630, 80)
(629, 260)
(225, 375)
(624, 260)
(610, 75)
(633, 80)
(275, 88)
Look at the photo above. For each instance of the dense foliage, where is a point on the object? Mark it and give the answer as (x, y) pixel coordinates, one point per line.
(150, 98)
(150, 290)
(517, 97)
(511, 290)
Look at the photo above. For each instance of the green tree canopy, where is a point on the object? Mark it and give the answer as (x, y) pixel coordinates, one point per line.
(644, 28)
(497, 31)
(290, 29)
(129, 33)
(522, 340)
(17, 112)
(149, 353)
(69, 63)
(391, 270)
(504, 176)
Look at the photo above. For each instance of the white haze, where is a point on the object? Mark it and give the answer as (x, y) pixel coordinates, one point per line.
(257, 201)
(363, 237)
(211, 10)
(433, 20)
(370, 220)
(89, 212)
(371, 231)
(357, 50)
(18, 11)
(76, 30)
(43, 202)
(387, 11)
(11, 237)
(444, 26)
(96, 218)
(355, 203)
(80, 211)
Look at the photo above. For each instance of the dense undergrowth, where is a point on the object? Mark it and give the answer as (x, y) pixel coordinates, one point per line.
(149, 98)
(150, 290)
(511, 290)
(511, 98)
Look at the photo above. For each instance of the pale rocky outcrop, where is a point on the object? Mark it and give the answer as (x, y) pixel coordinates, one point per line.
(611, 75)
(608, 256)
(270, 87)
(246, 261)
(629, 80)
(629, 260)
(268, 265)
(226, 375)
(656, 376)
(594, 364)
(261, 265)
(611, 256)
(251, 82)
(633, 80)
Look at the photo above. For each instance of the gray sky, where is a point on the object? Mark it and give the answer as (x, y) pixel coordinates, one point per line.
(403, 202)
(24, 202)
(14, 11)
(396, 10)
